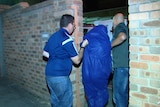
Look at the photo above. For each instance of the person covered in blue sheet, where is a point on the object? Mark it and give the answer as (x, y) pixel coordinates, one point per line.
(97, 66)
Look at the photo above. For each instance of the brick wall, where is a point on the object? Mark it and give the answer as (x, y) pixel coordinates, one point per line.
(3, 7)
(144, 25)
(23, 26)
(2, 67)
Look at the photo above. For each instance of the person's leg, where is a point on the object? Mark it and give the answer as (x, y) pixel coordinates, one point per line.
(61, 91)
(121, 87)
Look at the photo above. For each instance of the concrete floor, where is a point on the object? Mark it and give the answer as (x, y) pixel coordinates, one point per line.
(13, 96)
(110, 103)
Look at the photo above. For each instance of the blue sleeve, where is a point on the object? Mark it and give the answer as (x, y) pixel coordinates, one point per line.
(46, 47)
(50, 44)
(71, 48)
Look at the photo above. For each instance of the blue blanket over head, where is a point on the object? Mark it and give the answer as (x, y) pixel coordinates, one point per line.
(97, 66)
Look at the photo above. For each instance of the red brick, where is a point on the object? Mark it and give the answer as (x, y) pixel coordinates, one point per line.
(141, 65)
(149, 90)
(139, 95)
(150, 105)
(149, 57)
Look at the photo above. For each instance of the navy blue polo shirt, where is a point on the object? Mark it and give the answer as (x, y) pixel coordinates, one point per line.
(61, 48)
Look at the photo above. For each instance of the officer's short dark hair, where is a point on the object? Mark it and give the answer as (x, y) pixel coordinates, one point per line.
(66, 19)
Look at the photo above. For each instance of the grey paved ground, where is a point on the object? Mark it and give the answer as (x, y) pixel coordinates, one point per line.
(13, 96)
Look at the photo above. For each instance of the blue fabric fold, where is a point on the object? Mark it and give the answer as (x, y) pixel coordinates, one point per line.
(97, 66)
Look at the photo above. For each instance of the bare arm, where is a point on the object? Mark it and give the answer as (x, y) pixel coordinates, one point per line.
(77, 59)
(120, 39)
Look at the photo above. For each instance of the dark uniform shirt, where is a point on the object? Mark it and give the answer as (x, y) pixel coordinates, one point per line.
(61, 48)
(121, 52)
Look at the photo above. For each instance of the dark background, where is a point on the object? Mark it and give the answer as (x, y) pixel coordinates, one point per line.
(88, 5)
(94, 5)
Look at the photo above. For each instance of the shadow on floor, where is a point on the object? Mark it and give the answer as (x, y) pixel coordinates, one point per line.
(13, 96)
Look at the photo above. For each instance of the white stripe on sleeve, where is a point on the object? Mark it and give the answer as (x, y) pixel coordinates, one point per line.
(46, 54)
(67, 40)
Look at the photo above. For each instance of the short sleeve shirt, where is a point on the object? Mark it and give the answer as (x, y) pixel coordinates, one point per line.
(61, 48)
(121, 52)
